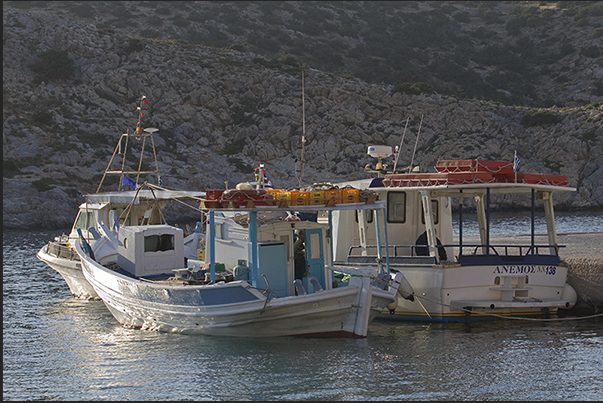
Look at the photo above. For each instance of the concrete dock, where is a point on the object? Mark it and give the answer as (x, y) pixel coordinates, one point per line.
(583, 251)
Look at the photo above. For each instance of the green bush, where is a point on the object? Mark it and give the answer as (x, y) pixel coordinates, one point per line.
(238, 47)
(591, 51)
(53, 65)
(42, 118)
(540, 118)
(289, 59)
(413, 88)
(10, 168)
(43, 184)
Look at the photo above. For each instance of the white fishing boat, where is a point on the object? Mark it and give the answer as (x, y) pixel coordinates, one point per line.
(134, 205)
(247, 284)
(452, 279)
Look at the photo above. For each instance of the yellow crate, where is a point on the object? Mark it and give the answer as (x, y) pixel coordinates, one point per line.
(282, 196)
(299, 198)
(317, 197)
(276, 195)
(350, 195)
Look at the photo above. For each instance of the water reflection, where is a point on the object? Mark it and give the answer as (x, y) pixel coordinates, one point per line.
(56, 347)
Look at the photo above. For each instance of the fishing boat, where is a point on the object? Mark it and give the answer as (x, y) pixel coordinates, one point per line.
(451, 278)
(105, 211)
(247, 285)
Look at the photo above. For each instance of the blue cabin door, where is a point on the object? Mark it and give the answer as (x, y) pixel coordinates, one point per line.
(315, 257)
(272, 261)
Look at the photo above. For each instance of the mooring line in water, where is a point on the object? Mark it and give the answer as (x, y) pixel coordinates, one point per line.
(510, 317)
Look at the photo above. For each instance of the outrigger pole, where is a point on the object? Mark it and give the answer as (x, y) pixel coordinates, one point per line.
(400, 148)
(303, 141)
(416, 142)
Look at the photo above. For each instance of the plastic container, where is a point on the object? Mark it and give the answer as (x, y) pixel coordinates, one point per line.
(317, 197)
(333, 196)
(299, 198)
(350, 195)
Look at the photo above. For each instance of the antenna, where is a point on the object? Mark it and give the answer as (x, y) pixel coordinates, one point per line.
(400, 148)
(416, 142)
(303, 140)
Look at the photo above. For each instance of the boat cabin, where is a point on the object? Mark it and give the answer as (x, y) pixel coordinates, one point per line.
(150, 249)
(420, 221)
(277, 248)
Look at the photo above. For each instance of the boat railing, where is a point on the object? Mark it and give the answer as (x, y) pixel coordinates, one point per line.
(62, 251)
(470, 254)
(467, 254)
(397, 254)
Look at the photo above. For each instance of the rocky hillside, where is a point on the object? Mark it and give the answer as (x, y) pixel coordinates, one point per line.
(71, 87)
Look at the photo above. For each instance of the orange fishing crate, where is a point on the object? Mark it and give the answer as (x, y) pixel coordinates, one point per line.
(317, 197)
(333, 195)
(299, 198)
(350, 195)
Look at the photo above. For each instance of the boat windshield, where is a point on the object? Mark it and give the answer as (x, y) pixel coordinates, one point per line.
(84, 220)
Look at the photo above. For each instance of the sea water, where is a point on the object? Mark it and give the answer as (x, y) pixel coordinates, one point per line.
(56, 347)
(521, 222)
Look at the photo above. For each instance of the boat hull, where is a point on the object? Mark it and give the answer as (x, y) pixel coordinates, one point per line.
(70, 269)
(460, 294)
(235, 308)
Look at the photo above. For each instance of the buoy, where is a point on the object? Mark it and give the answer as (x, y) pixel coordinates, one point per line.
(244, 186)
(405, 289)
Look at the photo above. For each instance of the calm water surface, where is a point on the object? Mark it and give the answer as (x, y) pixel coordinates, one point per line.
(56, 347)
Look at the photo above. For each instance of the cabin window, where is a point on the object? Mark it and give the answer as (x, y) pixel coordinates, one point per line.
(121, 213)
(156, 243)
(85, 220)
(434, 209)
(396, 207)
(314, 246)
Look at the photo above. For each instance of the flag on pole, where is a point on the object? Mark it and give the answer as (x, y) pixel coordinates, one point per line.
(128, 182)
(261, 179)
(515, 163)
(267, 182)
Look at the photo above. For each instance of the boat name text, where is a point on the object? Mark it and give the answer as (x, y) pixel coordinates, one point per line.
(548, 270)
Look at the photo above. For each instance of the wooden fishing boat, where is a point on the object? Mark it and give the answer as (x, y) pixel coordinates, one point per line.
(246, 285)
(113, 209)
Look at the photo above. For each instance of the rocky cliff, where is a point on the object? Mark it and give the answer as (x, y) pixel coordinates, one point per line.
(220, 112)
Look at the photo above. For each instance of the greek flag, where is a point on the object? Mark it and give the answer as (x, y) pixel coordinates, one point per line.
(515, 163)
(128, 182)
(267, 182)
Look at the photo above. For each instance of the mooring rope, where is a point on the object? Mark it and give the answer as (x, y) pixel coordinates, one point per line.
(511, 317)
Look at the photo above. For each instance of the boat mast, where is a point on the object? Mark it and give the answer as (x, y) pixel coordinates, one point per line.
(118, 150)
(303, 140)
